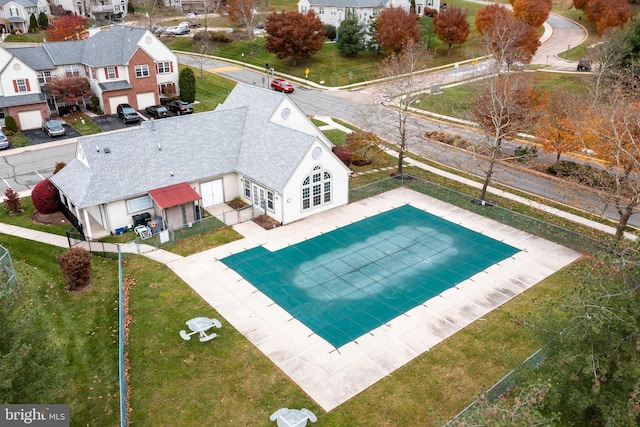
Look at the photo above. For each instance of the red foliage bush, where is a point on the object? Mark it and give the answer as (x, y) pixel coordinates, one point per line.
(343, 154)
(431, 13)
(75, 264)
(12, 201)
(45, 197)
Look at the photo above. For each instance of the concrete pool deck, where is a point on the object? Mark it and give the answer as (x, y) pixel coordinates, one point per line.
(332, 376)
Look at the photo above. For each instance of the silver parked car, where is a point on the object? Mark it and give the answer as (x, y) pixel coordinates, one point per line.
(4, 141)
(53, 127)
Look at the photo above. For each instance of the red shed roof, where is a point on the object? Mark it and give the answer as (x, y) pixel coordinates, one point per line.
(174, 195)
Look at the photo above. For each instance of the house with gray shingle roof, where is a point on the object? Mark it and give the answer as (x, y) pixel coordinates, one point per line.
(333, 12)
(257, 146)
(15, 14)
(124, 65)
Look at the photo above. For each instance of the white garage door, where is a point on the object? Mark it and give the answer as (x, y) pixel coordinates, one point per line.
(211, 193)
(30, 119)
(146, 100)
(115, 100)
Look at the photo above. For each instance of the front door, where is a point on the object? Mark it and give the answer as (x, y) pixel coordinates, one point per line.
(259, 198)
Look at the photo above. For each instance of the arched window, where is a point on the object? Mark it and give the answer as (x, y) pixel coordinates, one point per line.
(316, 188)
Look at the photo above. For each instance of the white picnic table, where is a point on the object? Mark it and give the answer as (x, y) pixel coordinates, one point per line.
(200, 325)
(286, 417)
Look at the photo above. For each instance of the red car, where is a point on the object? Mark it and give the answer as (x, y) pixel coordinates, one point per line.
(281, 85)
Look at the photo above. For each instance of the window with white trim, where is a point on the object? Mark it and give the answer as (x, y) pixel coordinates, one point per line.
(321, 10)
(72, 70)
(44, 77)
(247, 189)
(303, 9)
(142, 70)
(111, 73)
(270, 204)
(139, 204)
(316, 188)
(14, 11)
(21, 85)
(164, 67)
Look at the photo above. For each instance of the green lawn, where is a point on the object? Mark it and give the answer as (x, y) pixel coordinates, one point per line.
(24, 219)
(82, 325)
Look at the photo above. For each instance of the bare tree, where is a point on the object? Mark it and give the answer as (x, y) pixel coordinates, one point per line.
(401, 86)
(507, 103)
(246, 13)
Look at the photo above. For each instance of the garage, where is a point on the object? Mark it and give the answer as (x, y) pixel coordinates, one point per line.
(115, 101)
(146, 100)
(211, 193)
(30, 119)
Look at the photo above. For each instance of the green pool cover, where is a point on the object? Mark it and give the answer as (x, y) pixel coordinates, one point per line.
(347, 282)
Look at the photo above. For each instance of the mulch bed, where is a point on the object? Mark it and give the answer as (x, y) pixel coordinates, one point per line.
(266, 222)
(49, 219)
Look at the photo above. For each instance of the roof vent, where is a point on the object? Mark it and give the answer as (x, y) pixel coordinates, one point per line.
(107, 150)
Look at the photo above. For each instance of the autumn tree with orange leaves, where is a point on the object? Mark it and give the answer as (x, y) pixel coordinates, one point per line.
(533, 12)
(396, 29)
(508, 39)
(451, 26)
(67, 27)
(605, 14)
(610, 132)
(294, 34)
(556, 127)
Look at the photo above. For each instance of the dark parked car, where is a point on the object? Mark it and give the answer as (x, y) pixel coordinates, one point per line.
(157, 111)
(584, 65)
(53, 127)
(281, 85)
(127, 114)
(180, 107)
(4, 141)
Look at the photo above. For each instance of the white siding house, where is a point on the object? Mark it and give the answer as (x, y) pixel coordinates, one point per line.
(257, 146)
(17, 13)
(333, 12)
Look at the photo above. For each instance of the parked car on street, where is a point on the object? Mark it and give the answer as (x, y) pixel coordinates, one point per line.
(127, 114)
(178, 31)
(4, 141)
(180, 107)
(281, 85)
(53, 127)
(157, 111)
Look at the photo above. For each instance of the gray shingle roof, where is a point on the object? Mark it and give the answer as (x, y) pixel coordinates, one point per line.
(36, 57)
(113, 47)
(28, 99)
(24, 3)
(105, 48)
(236, 137)
(117, 85)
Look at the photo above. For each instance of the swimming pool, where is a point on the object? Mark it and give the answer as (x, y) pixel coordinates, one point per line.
(347, 282)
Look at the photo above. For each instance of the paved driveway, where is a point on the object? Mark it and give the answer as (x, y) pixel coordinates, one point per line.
(38, 136)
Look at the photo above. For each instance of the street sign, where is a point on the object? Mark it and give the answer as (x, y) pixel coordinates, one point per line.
(306, 72)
